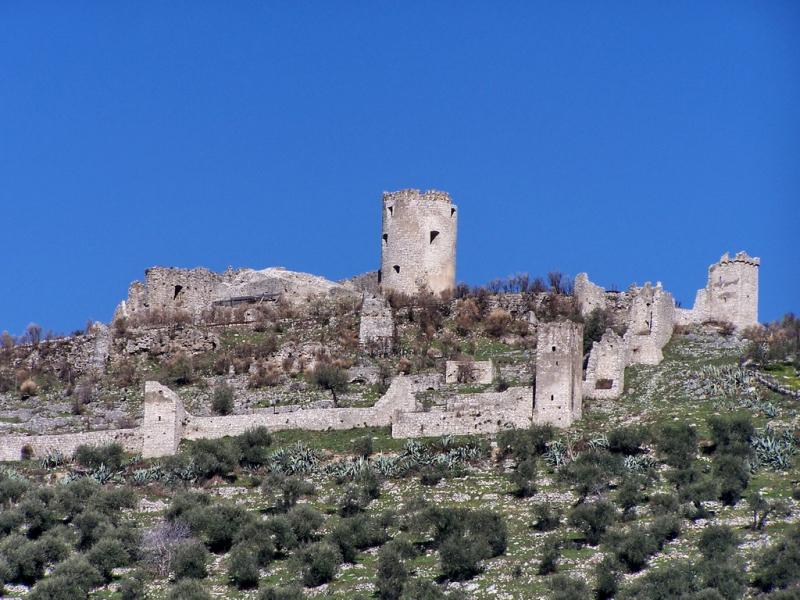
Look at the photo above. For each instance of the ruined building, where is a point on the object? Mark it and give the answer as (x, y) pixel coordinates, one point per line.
(559, 373)
(376, 330)
(418, 242)
(730, 295)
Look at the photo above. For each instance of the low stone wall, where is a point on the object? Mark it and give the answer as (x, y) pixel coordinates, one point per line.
(773, 385)
(11, 446)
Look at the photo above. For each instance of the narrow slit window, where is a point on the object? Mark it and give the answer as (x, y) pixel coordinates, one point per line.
(434, 235)
(452, 211)
(178, 290)
(385, 238)
(396, 268)
(391, 210)
(554, 348)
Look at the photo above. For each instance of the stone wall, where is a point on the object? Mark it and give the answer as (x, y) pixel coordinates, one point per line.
(471, 414)
(605, 371)
(376, 330)
(418, 242)
(470, 371)
(559, 370)
(11, 445)
(162, 426)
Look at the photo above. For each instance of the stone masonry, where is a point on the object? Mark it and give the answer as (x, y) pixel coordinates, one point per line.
(376, 330)
(559, 372)
(605, 371)
(469, 371)
(730, 295)
(418, 242)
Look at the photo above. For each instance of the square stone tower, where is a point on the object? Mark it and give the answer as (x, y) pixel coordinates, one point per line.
(418, 242)
(559, 373)
(732, 290)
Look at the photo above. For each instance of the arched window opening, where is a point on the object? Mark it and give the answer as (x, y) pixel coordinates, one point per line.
(434, 235)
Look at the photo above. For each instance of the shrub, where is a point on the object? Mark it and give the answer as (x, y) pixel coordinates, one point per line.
(497, 323)
(629, 494)
(222, 400)
(627, 440)
(432, 475)
(282, 534)
(591, 472)
(180, 370)
(717, 542)
(131, 587)
(663, 504)
(281, 593)
(592, 520)
(320, 563)
(91, 457)
(524, 478)
(190, 560)
(357, 533)
(778, 567)
(305, 521)
(76, 574)
(188, 589)
(551, 552)
(607, 578)
(253, 446)
(731, 434)
(634, 547)
(732, 475)
(563, 587)
(362, 446)
(258, 536)
(284, 491)
(392, 573)
(459, 557)
(28, 388)
(665, 528)
(672, 581)
(677, 443)
(106, 555)
(522, 444)
(243, 567)
(547, 517)
(214, 457)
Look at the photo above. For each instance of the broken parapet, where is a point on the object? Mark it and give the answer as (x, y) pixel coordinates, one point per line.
(559, 360)
(469, 371)
(605, 371)
(376, 331)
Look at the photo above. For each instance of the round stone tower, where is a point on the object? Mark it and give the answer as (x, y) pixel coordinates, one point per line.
(418, 242)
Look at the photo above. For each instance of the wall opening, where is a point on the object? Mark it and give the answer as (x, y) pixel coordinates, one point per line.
(178, 290)
(452, 211)
(390, 210)
(396, 268)
(380, 275)
(434, 235)
(604, 384)
(385, 238)
(554, 348)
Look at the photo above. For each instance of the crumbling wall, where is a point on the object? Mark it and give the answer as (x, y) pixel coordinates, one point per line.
(418, 242)
(470, 371)
(589, 295)
(559, 370)
(605, 370)
(376, 330)
(488, 412)
(651, 322)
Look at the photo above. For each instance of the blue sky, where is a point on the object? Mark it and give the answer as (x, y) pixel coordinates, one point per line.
(634, 140)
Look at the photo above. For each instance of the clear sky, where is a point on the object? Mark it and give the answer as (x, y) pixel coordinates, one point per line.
(634, 140)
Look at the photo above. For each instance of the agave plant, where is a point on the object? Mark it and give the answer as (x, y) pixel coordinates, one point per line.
(297, 459)
(103, 474)
(639, 463)
(773, 449)
(53, 458)
(556, 454)
(598, 442)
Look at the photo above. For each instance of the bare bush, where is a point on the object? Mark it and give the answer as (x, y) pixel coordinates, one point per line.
(159, 544)
(498, 322)
(28, 388)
